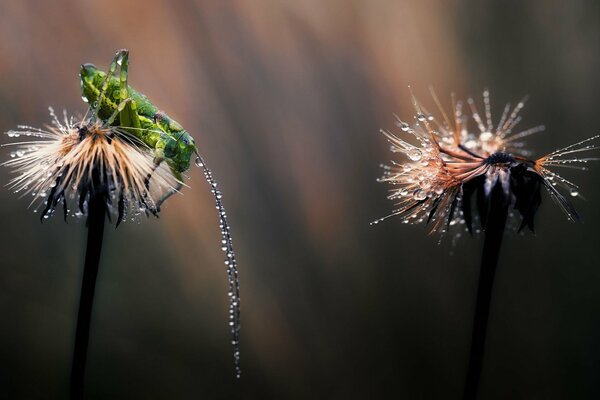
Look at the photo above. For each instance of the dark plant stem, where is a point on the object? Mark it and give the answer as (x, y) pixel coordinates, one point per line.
(95, 226)
(494, 230)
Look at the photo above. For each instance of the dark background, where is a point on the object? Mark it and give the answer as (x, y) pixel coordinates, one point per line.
(285, 99)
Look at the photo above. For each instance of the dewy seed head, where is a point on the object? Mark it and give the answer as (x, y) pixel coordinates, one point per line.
(445, 163)
(67, 162)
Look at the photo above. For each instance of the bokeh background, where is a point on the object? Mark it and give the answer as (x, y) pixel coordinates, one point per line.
(286, 99)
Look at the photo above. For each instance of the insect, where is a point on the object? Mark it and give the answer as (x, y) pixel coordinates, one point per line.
(115, 103)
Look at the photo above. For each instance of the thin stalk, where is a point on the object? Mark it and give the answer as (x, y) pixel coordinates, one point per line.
(95, 226)
(494, 230)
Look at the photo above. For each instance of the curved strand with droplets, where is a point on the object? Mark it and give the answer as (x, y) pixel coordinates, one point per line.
(230, 262)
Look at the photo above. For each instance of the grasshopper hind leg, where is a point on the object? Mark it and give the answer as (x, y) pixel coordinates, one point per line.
(128, 116)
(117, 60)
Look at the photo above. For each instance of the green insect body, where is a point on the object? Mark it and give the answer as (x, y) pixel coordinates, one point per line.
(117, 104)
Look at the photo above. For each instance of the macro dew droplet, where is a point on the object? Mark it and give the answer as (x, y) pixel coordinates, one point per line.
(486, 136)
(419, 195)
(414, 154)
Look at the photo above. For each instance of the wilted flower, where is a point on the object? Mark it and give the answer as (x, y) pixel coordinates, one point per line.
(70, 161)
(446, 164)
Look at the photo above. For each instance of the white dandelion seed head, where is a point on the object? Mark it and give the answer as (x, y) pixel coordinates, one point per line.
(56, 167)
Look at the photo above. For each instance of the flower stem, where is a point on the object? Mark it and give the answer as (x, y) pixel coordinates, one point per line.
(95, 225)
(494, 230)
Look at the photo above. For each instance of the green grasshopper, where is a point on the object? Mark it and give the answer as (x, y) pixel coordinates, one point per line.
(116, 104)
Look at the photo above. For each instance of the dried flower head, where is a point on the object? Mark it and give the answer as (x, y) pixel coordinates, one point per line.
(446, 164)
(69, 161)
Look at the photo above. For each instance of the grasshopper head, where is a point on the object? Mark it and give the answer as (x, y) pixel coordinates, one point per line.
(88, 71)
(90, 78)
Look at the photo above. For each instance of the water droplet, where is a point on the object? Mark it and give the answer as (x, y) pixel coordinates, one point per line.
(486, 136)
(574, 192)
(230, 262)
(85, 99)
(404, 126)
(414, 154)
(419, 195)
(421, 117)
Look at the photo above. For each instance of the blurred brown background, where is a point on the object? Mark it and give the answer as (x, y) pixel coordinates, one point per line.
(285, 99)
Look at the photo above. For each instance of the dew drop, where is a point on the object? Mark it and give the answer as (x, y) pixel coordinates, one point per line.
(419, 195)
(414, 154)
(231, 265)
(486, 136)
(574, 192)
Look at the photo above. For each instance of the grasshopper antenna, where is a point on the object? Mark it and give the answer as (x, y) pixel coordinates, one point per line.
(230, 262)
